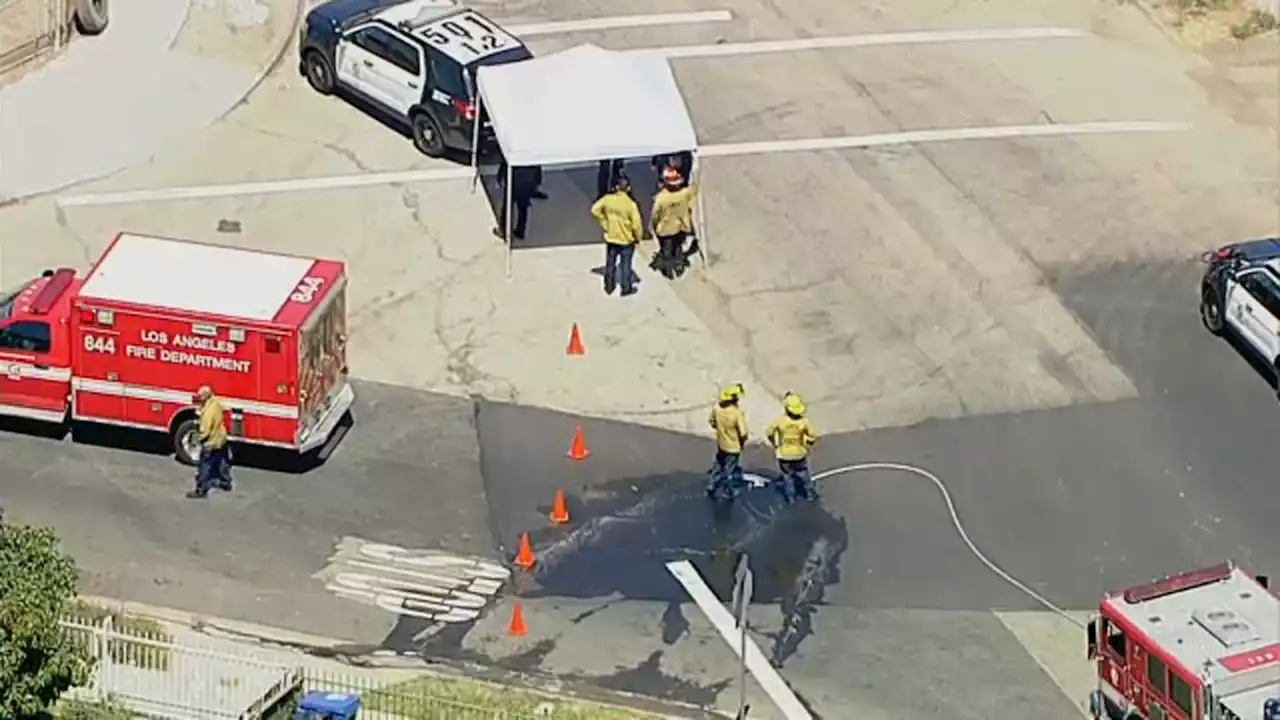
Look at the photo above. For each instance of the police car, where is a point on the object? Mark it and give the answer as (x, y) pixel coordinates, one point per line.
(1240, 292)
(413, 60)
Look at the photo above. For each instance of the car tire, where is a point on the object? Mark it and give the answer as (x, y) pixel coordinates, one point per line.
(426, 135)
(186, 437)
(91, 16)
(318, 71)
(1211, 312)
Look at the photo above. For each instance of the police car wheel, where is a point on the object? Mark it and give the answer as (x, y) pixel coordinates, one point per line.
(186, 442)
(319, 74)
(1211, 312)
(91, 16)
(426, 135)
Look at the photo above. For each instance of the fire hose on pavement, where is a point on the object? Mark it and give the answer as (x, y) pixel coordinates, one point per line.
(957, 523)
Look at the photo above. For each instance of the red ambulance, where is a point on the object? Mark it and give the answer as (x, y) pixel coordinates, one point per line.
(156, 318)
(1201, 645)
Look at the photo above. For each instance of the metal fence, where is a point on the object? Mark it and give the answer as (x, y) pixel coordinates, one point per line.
(430, 699)
(147, 671)
(166, 671)
(30, 29)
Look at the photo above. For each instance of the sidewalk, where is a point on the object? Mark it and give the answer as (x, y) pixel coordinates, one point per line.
(164, 69)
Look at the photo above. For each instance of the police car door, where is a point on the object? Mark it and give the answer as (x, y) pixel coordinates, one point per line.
(1247, 310)
(361, 53)
(402, 74)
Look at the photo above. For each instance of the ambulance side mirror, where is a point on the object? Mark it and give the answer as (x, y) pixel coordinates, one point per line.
(1264, 581)
(1091, 633)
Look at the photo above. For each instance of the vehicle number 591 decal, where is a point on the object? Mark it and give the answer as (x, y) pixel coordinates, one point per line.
(307, 289)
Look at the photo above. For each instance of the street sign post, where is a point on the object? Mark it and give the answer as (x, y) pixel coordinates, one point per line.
(743, 586)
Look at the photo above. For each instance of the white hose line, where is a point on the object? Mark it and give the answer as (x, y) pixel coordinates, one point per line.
(955, 522)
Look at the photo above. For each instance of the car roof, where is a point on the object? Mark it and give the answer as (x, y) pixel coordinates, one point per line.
(463, 35)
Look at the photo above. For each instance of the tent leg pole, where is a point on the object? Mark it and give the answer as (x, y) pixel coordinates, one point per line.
(507, 220)
(475, 145)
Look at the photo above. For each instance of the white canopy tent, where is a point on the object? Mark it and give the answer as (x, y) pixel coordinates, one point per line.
(581, 105)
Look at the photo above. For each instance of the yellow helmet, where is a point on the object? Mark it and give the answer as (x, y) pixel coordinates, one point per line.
(732, 392)
(793, 404)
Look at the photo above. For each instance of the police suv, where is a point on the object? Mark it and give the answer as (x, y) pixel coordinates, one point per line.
(415, 60)
(1240, 291)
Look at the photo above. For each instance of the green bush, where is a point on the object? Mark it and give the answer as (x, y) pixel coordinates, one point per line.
(39, 660)
(147, 653)
(1258, 22)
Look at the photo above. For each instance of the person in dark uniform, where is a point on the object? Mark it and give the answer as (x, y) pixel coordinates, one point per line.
(525, 180)
(607, 175)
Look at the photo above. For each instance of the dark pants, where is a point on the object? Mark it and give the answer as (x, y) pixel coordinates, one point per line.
(794, 481)
(671, 259)
(521, 220)
(617, 267)
(726, 474)
(214, 468)
(607, 174)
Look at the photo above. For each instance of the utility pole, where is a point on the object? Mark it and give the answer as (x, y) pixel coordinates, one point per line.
(743, 587)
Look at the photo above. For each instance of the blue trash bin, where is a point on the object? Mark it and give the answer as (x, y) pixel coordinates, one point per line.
(323, 705)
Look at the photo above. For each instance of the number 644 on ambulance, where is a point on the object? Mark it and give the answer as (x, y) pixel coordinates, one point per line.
(129, 343)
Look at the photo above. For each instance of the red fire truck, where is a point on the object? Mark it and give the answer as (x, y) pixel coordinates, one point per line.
(1202, 645)
(155, 319)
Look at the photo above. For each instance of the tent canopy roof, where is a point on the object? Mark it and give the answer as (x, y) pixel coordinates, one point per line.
(586, 103)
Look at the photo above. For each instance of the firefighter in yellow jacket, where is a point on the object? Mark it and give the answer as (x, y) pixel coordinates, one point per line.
(672, 221)
(215, 460)
(619, 217)
(791, 437)
(730, 424)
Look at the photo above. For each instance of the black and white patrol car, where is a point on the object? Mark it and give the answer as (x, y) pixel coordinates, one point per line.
(1240, 293)
(414, 60)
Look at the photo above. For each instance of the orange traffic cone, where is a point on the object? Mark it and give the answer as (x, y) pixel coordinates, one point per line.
(578, 448)
(524, 558)
(517, 627)
(575, 342)
(559, 513)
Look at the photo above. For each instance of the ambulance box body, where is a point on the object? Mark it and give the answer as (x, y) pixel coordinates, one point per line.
(155, 319)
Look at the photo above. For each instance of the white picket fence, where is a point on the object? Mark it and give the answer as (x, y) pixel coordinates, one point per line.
(159, 677)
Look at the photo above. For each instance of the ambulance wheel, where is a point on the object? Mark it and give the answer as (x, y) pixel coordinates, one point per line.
(186, 442)
(426, 135)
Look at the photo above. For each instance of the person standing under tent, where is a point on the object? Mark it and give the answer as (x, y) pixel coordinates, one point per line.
(524, 189)
(619, 218)
(607, 175)
(671, 221)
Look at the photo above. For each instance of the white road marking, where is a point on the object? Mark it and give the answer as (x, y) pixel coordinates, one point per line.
(618, 22)
(764, 673)
(427, 584)
(870, 40)
(337, 182)
(998, 132)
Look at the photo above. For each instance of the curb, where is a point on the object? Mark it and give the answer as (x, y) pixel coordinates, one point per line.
(277, 56)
